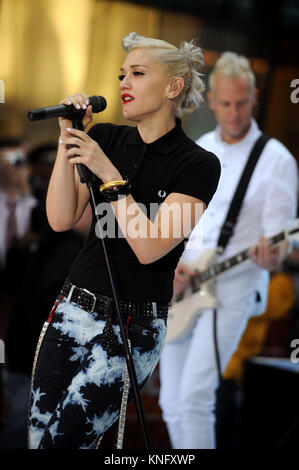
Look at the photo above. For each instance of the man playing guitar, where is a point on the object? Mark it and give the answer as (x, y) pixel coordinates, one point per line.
(189, 368)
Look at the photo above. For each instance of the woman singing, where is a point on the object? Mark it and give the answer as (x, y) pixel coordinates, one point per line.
(78, 378)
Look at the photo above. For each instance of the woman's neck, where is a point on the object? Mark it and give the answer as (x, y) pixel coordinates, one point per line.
(152, 130)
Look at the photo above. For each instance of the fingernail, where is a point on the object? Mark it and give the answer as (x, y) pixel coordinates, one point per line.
(78, 106)
(69, 102)
(69, 129)
(60, 141)
(87, 102)
(84, 106)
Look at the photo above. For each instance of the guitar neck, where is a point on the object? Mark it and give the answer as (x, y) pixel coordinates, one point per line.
(219, 268)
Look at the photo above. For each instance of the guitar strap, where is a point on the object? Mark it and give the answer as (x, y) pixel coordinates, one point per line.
(230, 222)
(236, 203)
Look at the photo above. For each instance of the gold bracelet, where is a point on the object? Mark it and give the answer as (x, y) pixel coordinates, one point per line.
(112, 184)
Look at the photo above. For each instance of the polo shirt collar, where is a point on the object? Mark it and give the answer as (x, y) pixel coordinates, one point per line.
(165, 144)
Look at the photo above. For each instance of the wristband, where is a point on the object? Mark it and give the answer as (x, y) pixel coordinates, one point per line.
(112, 190)
(112, 185)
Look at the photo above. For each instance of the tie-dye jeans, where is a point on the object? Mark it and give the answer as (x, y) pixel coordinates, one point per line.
(76, 385)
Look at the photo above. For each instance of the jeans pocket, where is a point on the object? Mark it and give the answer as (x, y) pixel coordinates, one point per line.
(144, 327)
(147, 339)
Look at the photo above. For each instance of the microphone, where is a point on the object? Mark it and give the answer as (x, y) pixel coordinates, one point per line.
(98, 104)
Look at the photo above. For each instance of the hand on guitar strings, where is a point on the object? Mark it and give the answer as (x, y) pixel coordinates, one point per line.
(266, 256)
(182, 277)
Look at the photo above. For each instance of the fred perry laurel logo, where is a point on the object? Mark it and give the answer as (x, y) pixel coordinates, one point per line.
(161, 193)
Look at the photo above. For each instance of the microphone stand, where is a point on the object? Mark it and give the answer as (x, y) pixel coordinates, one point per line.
(85, 177)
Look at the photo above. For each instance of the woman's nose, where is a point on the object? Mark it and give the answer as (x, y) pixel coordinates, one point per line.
(125, 83)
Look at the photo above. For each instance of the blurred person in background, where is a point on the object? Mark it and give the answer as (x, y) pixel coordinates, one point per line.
(42, 265)
(41, 159)
(16, 205)
(189, 370)
(37, 263)
(16, 198)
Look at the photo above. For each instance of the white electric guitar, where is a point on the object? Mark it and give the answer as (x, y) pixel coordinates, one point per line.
(198, 295)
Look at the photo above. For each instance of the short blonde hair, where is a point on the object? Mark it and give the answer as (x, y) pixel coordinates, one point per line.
(184, 62)
(232, 65)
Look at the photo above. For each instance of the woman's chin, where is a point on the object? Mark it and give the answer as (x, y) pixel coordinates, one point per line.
(131, 116)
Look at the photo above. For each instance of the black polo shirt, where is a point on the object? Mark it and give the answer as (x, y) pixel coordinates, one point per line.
(173, 163)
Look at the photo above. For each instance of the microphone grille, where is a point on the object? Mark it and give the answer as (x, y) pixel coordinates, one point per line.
(98, 103)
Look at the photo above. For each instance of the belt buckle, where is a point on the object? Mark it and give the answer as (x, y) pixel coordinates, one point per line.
(94, 301)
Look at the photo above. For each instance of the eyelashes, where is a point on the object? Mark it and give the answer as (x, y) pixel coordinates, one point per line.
(136, 74)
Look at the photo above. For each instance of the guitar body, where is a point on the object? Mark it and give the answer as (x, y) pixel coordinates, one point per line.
(184, 312)
(198, 296)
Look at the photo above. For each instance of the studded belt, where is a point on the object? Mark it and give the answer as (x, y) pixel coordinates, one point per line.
(93, 302)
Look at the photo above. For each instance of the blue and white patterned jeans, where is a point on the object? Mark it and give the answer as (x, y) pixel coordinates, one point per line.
(76, 385)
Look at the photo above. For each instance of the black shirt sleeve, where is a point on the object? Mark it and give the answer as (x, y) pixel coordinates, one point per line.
(199, 176)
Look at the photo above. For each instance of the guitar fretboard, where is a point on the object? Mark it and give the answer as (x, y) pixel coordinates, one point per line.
(218, 268)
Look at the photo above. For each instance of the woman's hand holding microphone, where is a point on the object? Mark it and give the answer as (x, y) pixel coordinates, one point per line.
(86, 150)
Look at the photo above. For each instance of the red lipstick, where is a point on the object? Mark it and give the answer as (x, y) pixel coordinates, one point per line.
(126, 98)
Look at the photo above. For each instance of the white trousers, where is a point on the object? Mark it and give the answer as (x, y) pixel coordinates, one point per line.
(188, 368)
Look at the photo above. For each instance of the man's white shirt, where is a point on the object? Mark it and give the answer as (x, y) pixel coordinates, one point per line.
(269, 206)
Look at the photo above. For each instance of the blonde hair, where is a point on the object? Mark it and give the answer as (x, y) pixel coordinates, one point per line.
(232, 65)
(184, 62)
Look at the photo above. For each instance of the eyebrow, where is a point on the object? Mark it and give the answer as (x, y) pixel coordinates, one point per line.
(132, 66)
